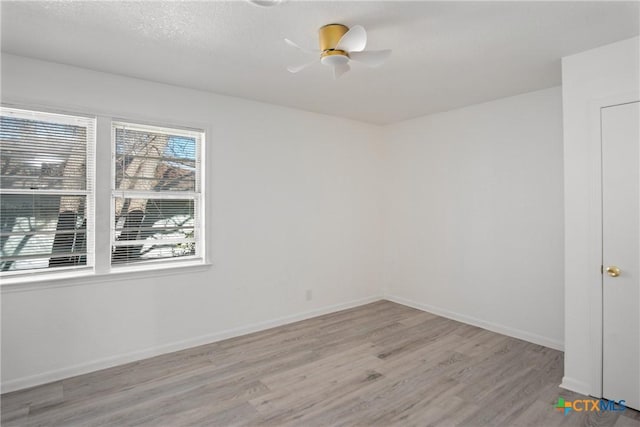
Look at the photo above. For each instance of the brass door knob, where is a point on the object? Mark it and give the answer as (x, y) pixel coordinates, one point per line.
(613, 271)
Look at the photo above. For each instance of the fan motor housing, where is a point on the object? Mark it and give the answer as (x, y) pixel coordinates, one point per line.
(330, 35)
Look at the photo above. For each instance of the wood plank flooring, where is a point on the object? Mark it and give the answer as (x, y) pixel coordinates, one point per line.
(382, 364)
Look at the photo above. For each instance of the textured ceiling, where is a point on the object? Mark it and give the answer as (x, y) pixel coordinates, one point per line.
(445, 54)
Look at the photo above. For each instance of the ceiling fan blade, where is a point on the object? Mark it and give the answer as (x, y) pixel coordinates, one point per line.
(353, 40)
(292, 44)
(371, 58)
(300, 67)
(339, 70)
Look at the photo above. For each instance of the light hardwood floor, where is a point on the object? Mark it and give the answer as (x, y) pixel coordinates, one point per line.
(381, 364)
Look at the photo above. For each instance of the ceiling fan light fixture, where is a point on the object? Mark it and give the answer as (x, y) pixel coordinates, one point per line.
(339, 45)
(266, 3)
(333, 58)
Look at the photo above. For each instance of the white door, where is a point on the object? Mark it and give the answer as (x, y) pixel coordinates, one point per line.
(621, 253)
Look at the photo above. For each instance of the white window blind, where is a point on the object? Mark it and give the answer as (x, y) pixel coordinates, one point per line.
(156, 194)
(46, 191)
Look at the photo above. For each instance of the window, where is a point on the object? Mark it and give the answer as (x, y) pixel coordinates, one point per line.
(46, 191)
(53, 170)
(155, 194)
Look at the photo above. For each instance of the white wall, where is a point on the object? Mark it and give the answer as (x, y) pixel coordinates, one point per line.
(587, 77)
(475, 215)
(294, 205)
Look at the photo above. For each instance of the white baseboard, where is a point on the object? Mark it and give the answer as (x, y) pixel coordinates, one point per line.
(495, 327)
(108, 362)
(575, 385)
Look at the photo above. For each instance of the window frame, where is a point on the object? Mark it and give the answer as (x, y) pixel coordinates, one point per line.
(101, 271)
(66, 118)
(197, 195)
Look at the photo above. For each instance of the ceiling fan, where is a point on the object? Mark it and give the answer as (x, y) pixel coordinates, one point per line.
(338, 46)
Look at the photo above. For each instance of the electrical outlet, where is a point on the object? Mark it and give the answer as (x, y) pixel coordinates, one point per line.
(309, 294)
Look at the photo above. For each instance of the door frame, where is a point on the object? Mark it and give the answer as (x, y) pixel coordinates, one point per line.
(595, 232)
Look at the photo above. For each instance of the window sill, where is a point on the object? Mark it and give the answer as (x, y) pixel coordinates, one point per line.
(81, 278)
